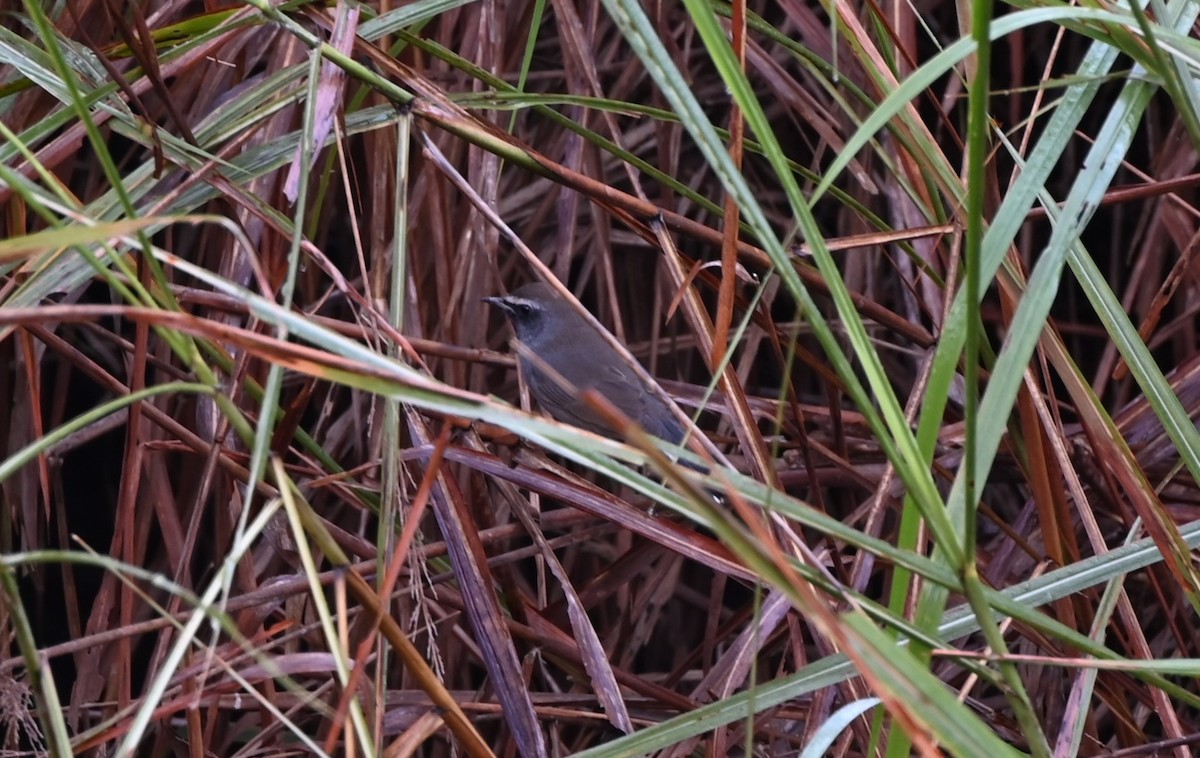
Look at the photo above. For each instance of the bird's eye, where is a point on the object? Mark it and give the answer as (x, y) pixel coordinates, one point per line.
(523, 308)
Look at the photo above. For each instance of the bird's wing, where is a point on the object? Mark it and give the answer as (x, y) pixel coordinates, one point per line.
(563, 403)
(618, 387)
(639, 403)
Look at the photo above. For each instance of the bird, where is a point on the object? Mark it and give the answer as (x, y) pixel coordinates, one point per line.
(555, 332)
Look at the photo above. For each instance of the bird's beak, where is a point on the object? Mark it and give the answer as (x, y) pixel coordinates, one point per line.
(499, 302)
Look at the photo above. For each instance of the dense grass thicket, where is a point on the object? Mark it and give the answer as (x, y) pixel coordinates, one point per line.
(923, 275)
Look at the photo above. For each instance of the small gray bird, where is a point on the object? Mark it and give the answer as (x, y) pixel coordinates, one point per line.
(558, 335)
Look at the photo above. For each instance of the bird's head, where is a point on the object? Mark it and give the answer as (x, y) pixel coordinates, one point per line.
(532, 310)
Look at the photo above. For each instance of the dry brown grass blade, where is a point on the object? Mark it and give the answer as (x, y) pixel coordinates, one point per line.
(588, 497)
(732, 218)
(743, 421)
(474, 578)
(592, 652)
(458, 722)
